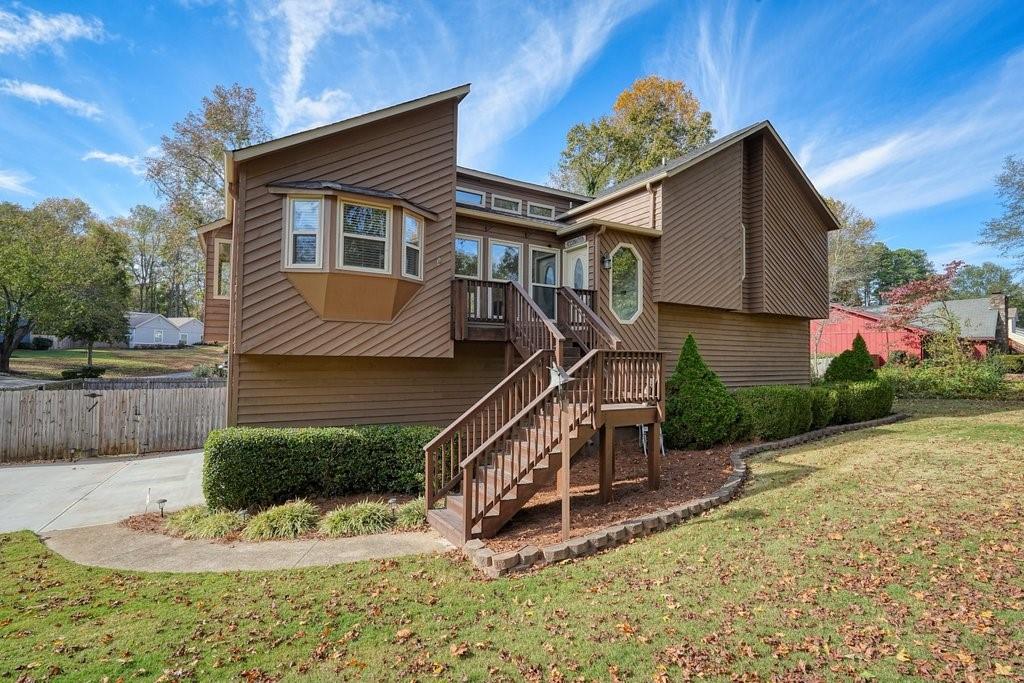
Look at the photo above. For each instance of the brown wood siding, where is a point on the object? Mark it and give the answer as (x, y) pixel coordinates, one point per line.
(641, 334)
(215, 311)
(743, 348)
(631, 209)
(491, 187)
(795, 242)
(293, 391)
(701, 246)
(753, 218)
(412, 154)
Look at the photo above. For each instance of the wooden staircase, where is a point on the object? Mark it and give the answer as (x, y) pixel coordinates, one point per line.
(484, 467)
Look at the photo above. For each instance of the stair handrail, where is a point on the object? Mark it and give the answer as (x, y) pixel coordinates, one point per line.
(470, 512)
(440, 452)
(539, 331)
(603, 336)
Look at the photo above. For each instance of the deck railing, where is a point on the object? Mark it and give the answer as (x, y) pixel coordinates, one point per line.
(633, 377)
(586, 296)
(528, 327)
(581, 323)
(445, 453)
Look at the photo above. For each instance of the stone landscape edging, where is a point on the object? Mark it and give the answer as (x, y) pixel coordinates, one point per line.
(495, 564)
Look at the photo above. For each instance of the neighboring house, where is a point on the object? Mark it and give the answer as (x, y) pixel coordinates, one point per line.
(190, 330)
(151, 329)
(361, 276)
(1014, 331)
(984, 326)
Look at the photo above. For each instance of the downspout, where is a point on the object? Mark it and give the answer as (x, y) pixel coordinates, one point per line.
(651, 192)
(598, 269)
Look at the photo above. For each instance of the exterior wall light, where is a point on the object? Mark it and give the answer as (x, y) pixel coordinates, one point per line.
(606, 261)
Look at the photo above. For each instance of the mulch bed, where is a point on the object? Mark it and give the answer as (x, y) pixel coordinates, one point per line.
(684, 475)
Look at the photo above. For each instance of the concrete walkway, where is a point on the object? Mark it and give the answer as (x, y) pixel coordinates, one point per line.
(12, 382)
(117, 547)
(96, 491)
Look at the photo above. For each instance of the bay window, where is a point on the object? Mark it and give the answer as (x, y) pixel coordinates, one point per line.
(412, 246)
(364, 237)
(303, 218)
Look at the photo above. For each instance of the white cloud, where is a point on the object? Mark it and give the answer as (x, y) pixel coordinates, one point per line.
(15, 181)
(21, 34)
(42, 94)
(294, 30)
(971, 252)
(133, 164)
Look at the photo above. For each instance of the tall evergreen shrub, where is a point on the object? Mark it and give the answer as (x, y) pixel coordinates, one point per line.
(853, 365)
(700, 411)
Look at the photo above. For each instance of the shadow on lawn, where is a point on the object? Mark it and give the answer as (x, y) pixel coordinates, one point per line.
(926, 408)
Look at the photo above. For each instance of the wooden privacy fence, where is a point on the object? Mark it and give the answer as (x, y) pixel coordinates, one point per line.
(62, 424)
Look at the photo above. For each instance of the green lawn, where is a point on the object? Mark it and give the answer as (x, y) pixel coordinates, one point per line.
(119, 362)
(888, 554)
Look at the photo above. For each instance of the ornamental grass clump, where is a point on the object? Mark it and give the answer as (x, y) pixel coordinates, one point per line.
(358, 519)
(198, 521)
(289, 520)
(184, 521)
(411, 515)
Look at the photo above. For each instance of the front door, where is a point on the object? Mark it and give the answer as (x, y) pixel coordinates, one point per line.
(576, 268)
(544, 278)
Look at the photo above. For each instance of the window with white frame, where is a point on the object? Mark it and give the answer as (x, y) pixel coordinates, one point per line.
(540, 211)
(183, 338)
(304, 218)
(412, 246)
(222, 266)
(467, 196)
(467, 257)
(506, 204)
(506, 260)
(364, 237)
(158, 336)
(626, 278)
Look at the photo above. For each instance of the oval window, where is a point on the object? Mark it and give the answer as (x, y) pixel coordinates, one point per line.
(625, 283)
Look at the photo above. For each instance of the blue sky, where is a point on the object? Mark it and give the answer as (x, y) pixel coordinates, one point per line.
(904, 109)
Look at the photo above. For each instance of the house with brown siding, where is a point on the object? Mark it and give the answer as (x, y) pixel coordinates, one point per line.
(361, 276)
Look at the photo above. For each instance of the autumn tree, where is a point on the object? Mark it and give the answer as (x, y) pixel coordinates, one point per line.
(1007, 232)
(988, 278)
(923, 303)
(653, 120)
(849, 253)
(36, 252)
(189, 169)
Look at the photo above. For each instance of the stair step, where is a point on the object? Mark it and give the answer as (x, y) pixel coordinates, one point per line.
(448, 523)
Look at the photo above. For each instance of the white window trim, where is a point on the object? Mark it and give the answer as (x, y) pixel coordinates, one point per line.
(483, 195)
(480, 255)
(289, 242)
(530, 205)
(183, 337)
(418, 247)
(519, 204)
(639, 284)
(388, 231)
(161, 339)
(558, 270)
(568, 278)
(490, 269)
(216, 267)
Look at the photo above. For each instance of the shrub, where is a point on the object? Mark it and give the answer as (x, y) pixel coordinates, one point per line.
(84, 372)
(411, 515)
(203, 371)
(1012, 364)
(358, 519)
(198, 521)
(823, 405)
(282, 521)
(248, 467)
(979, 379)
(853, 365)
(42, 343)
(775, 411)
(901, 357)
(699, 409)
(860, 401)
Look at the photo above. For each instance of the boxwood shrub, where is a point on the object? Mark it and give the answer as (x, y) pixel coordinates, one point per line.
(774, 411)
(823, 405)
(252, 467)
(860, 401)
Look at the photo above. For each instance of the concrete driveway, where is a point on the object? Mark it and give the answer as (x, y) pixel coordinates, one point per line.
(99, 491)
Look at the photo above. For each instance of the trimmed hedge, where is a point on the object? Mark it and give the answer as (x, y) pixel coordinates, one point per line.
(699, 410)
(251, 467)
(774, 411)
(978, 379)
(860, 401)
(823, 406)
(853, 365)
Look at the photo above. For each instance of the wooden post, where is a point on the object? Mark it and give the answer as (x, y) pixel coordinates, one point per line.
(468, 489)
(563, 472)
(606, 436)
(654, 456)
(509, 359)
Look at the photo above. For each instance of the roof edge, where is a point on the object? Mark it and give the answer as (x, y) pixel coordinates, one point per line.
(484, 175)
(252, 151)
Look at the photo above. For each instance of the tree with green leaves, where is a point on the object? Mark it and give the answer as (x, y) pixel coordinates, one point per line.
(189, 169)
(977, 281)
(849, 253)
(892, 268)
(98, 289)
(653, 120)
(1007, 232)
(36, 250)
